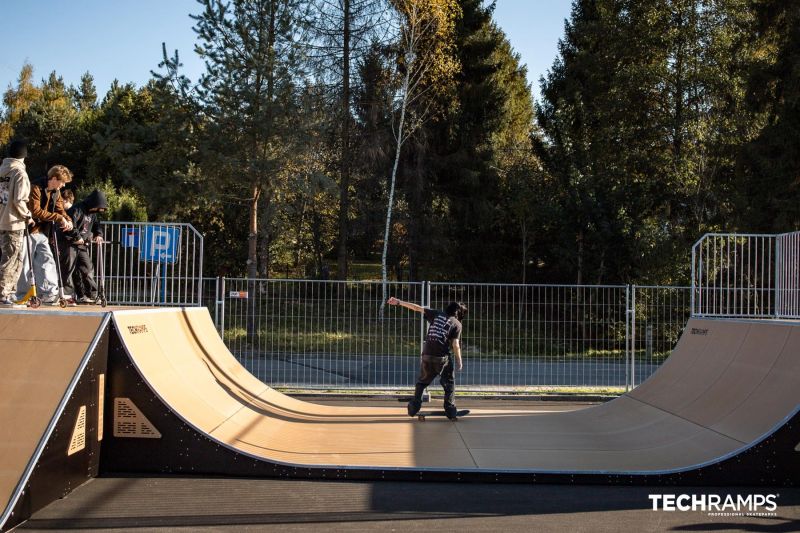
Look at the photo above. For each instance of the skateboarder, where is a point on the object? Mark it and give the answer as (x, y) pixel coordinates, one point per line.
(444, 333)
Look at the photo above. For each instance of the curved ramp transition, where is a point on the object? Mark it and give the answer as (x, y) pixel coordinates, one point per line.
(722, 409)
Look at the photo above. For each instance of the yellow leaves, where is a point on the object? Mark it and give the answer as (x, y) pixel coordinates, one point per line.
(428, 38)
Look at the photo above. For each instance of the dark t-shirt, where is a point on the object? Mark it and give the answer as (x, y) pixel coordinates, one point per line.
(441, 331)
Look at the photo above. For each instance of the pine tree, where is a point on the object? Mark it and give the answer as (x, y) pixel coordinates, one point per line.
(247, 95)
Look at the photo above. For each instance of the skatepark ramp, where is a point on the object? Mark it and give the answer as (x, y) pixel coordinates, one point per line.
(157, 391)
(722, 409)
(52, 368)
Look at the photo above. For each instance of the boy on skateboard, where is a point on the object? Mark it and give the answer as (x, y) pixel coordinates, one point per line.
(444, 333)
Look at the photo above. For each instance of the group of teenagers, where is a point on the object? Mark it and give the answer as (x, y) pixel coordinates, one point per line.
(40, 218)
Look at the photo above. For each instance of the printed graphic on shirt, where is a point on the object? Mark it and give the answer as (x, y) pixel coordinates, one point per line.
(439, 331)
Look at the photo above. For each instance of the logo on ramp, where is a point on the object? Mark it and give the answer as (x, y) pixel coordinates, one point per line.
(129, 422)
(78, 440)
(797, 448)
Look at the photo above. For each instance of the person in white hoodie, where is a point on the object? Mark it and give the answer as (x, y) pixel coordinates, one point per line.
(15, 187)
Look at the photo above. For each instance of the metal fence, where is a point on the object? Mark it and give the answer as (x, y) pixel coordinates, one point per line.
(331, 335)
(152, 263)
(746, 275)
(787, 297)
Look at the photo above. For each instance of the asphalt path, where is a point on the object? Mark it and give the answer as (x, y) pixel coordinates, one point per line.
(396, 371)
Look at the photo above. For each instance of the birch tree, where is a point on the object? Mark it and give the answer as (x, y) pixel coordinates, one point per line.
(426, 63)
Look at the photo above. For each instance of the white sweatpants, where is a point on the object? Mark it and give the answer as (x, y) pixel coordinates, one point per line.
(44, 269)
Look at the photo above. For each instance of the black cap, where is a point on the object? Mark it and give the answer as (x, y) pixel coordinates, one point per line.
(18, 149)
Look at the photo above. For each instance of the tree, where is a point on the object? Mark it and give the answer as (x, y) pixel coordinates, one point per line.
(17, 102)
(487, 169)
(85, 96)
(342, 31)
(247, 97)
(425, 65)
(768, 166)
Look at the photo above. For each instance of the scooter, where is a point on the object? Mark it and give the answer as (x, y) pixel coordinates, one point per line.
(62, 299)
(30, 298)
(100, 270)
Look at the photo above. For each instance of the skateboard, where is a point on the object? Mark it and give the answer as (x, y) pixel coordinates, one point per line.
(421, 416)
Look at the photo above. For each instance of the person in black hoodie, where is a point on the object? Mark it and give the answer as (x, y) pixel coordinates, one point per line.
(86, 229)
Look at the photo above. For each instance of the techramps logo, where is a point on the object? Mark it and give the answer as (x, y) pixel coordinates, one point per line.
(761, 505)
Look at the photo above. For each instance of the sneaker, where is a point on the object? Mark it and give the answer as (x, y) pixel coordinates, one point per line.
(413, 407)
(7, 302)
(451, 412)
(50, 301)
(86, 300)
(71, 302)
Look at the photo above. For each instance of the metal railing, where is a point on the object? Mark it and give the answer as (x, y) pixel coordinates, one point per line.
(153, 263)
(787, 294)
(746, 275)
(330, 334)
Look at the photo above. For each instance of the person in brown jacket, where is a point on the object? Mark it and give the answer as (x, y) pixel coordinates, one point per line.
(46, 208)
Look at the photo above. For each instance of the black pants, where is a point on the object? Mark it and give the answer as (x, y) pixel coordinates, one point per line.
(75, 261)
(429, 368)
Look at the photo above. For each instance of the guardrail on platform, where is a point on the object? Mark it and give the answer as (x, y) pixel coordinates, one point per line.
(152, 263)
(746, 275)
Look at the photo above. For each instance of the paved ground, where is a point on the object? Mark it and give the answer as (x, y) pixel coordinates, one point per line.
(222, 504)
(191, 504)
(384, 371)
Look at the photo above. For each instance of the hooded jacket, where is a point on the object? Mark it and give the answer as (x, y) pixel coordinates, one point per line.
(86, 224)
(15, 188)
(45, 206)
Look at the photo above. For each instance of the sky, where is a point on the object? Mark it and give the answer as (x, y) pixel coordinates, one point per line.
(121, 39)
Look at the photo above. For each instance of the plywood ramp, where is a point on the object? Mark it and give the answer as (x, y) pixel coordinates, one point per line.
(726, 385)
(40, 357)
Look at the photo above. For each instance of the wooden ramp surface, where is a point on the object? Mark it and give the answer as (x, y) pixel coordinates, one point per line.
(40, 356)
(727, 384)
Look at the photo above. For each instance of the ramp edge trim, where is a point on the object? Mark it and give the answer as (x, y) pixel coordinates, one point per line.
(55, 418)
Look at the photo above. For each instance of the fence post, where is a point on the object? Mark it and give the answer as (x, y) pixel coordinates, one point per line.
(216, 302)
(222, 309)
(424, 302)
(778, 275)
(633, 337)
(627, 337)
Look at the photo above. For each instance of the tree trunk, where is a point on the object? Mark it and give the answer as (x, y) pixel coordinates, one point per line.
(252, 238)
(252, 265)
(387, 231)
(344, 192)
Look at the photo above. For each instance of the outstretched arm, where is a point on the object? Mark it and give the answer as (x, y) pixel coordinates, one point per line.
(408, 305)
